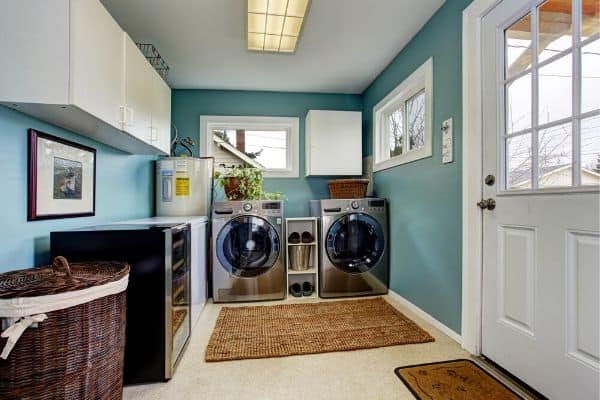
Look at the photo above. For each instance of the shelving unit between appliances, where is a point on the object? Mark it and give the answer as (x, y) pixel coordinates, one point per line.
(310, 274)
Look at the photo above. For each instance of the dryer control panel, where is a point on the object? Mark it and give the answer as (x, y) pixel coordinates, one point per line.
(335, 206)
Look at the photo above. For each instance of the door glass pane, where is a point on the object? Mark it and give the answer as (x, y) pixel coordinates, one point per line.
(518, 162)
(555, 28)
(355, 243)
(415, 120)
(590, 79)
(590, 21)
(517, 39)
(247, 246)
(395, 122)
(555, 156)
(518, 104)
(590, 151)
(555, 95)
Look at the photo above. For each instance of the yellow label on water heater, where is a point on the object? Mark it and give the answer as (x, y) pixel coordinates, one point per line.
(182, 186)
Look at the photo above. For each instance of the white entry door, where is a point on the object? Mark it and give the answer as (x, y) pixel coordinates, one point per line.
(541, 244)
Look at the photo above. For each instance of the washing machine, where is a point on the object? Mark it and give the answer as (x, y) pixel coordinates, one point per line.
(354, 247)
(247, 251)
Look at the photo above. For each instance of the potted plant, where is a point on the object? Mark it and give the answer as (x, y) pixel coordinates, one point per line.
(241, 183)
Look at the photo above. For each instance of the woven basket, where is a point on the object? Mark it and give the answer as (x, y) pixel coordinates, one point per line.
(77, 352)
(348, 188)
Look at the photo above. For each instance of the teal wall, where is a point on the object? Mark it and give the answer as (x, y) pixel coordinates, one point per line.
(124, 189)
(189, 105)
(425, 196)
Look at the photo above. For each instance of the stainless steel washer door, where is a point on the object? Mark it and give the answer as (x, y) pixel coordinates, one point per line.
(248, 246)
(355, 243)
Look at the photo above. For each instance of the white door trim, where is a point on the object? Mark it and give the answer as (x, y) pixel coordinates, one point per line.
(472, 229)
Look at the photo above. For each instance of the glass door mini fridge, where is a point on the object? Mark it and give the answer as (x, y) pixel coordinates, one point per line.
(158, 295)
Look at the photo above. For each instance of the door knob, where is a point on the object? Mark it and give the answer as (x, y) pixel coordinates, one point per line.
(489, 204)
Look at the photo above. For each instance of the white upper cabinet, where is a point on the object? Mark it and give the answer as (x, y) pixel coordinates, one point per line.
(96, 84)
(69, 63)
(161, 114)
(139, 76)
(333, 142)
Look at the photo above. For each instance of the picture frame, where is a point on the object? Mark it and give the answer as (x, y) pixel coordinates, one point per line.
(61, 178)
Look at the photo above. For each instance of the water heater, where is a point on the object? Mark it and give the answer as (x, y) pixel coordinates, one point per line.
(184, 186)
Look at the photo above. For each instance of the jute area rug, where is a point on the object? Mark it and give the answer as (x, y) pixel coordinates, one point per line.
(456, 379)
(308, 328)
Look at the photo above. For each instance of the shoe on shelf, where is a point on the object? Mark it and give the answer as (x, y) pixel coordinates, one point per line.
(294, 238)
(307, 289)
(296, 290)
(307, 237)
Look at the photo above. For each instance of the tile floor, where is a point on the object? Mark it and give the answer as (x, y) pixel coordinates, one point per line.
(360, 374)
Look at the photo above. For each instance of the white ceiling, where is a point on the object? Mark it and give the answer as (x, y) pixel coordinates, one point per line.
(344, 45)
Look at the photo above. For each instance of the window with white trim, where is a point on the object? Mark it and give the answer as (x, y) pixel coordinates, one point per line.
(551, 88)
(267, 143)
(402, 121)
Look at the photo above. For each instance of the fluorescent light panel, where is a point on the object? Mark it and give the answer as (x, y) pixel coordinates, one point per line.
(274, 25)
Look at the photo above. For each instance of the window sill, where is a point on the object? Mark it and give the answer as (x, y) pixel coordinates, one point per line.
(403, 159)
(283, 173)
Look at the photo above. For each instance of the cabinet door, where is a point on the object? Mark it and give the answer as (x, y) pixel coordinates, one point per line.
(339, 130)
(138, 92)
(161, 114)
(199, 271)
(96, 59)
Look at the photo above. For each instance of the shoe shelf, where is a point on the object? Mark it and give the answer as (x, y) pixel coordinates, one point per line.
(310, 275)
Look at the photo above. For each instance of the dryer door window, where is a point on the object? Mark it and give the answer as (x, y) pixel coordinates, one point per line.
(247, 246)
(355, 243)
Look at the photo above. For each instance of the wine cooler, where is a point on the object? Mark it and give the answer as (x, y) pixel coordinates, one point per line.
(159, 292)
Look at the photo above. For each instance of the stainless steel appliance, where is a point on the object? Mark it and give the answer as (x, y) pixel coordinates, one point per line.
(198, 256)
(354, 248)
(248, 258)
(158, 294)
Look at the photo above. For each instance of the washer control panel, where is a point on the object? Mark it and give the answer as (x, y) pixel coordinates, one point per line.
(265, 208)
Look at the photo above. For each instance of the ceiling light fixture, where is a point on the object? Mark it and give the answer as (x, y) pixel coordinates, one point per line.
(275, 25)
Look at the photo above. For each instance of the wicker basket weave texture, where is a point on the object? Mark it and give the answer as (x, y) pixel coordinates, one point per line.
(348, 188)
(77, 352)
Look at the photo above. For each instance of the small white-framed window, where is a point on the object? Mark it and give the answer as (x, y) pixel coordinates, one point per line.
(402, 121)
(268, 143)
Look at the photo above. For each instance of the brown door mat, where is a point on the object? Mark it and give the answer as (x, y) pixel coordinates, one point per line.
(456, 379)
(307, 328)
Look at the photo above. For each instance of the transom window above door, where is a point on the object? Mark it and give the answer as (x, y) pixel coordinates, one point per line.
(267, 143)
(402, 121)
(551, 88)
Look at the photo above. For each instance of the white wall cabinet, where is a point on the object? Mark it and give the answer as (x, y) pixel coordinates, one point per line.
(138, 93)
(96, 72)
(161, 114)
(69, 63)
(333, 142)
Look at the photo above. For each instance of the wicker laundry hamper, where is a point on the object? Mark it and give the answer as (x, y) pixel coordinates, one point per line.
(348, 188)
(67, 326)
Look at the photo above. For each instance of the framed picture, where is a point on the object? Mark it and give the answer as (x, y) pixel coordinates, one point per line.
(62, 178)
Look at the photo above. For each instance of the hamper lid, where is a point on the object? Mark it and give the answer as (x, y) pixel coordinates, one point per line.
(60, 277)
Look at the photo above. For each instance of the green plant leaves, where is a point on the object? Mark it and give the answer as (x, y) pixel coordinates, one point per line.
(250, 184)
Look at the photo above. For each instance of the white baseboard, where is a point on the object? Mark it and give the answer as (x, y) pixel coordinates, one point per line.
(422, 314)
